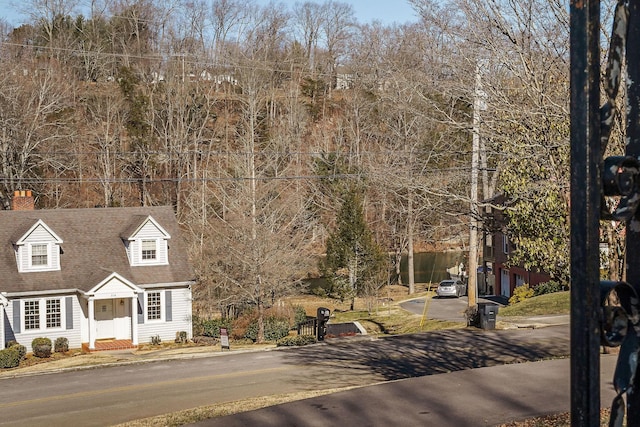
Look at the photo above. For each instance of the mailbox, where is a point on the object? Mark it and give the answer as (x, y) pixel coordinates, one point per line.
(323, 318)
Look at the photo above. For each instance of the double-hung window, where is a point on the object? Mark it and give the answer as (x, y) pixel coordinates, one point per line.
(31, 315)
(53, 313)
(154, 305)
(149, 250)
(44, 313)
(39, 255)
(505, 244)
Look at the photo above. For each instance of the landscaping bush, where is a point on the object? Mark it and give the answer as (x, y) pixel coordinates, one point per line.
(296, 340)
(10, 357)
(155, 340)
(548, 288)
(274, 329)
(241, 325)
(181, 337)
(61, 345)
(210, 327)
(41, 347)
(22, 350)
(300, 315)
(521, 293)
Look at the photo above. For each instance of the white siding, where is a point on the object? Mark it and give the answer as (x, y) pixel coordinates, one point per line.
(39, 235)
(148, 232)
(73, 335)
(181, 318)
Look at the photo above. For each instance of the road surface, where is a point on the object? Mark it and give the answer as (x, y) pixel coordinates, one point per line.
(107, 396)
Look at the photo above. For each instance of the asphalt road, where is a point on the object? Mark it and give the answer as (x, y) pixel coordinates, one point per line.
(472, 398)
(107, 396)
(451, 309)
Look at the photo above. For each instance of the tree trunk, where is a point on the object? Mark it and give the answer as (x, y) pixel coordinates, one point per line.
(412, 281)
(260, 336)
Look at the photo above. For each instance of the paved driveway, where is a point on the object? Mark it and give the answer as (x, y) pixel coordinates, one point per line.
(451, 309)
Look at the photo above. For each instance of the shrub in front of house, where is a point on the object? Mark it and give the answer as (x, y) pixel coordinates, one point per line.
(210, 327)
(61, 345)
(41, 347)
(521, 293)
(548, 288)
(181, 337)
(10, 357)
(296, 340)
(22, 350)
(156, 340)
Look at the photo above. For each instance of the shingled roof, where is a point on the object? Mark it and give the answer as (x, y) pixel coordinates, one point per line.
(93, 249)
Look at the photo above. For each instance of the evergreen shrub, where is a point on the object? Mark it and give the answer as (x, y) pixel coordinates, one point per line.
(210, 327)
(41, 347)
(274, 329)
(296, 340)
(10, 357)
(548, 288)
(22, 350)
(61, 345)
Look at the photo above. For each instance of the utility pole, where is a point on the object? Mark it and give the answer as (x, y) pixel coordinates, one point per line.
(479, 104)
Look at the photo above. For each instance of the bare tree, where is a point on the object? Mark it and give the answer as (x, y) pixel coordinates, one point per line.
(34, 119)
(262, 229)
(307, 21)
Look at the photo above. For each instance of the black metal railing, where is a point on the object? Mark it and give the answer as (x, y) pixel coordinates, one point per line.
(308, 327)
(604, 313)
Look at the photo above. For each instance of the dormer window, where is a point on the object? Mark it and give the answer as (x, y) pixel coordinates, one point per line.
(146, 242)
(38, 249)
(39, 255)
(149, 250)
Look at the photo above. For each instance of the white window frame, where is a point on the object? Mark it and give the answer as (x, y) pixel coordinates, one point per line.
(156, 259)
(42, 314)
(58, 313)
(505, 244)
(161, 303)
(46, 266)
(26, 324)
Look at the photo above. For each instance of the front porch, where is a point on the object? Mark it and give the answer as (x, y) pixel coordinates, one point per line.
(109, 345)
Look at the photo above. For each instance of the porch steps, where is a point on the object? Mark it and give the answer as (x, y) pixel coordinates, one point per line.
(109, 345)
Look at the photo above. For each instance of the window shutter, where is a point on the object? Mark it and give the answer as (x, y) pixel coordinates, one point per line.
(169, 306)
(68, 308)
(140, 309)
(17, 321)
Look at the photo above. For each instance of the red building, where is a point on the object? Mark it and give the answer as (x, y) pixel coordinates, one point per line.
(495, 275)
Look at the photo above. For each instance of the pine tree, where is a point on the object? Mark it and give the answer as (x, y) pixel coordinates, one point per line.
(354, 260)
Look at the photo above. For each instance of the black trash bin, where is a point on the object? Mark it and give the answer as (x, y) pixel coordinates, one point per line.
(488, 313)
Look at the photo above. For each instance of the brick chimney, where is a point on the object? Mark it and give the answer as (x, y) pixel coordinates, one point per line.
(22, 201)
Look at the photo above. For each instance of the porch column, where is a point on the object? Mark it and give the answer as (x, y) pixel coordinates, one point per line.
(92, 324)
(134, 320)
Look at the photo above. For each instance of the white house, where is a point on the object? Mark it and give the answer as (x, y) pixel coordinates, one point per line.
(93, 276)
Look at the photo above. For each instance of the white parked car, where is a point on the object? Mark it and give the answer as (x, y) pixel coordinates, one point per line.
(451, 288)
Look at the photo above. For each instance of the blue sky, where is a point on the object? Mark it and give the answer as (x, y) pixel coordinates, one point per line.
(367, 11)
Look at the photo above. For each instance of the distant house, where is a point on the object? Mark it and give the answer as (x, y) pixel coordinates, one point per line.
(93, 276)
(495, 275)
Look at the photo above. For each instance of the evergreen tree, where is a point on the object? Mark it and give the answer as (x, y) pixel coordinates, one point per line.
(354, 260)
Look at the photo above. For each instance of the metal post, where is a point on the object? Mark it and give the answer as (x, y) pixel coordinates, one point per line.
(585, 212)
(632, 264)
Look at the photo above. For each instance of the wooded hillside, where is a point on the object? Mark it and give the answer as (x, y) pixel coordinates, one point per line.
(256, 122)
